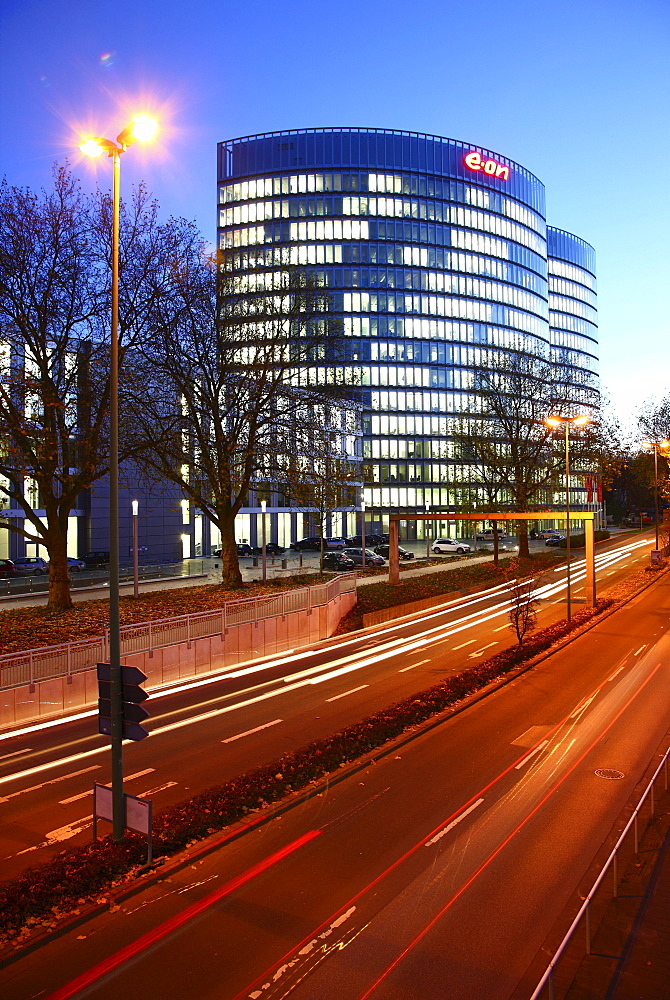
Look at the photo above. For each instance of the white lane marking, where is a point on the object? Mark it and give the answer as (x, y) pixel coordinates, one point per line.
(56, 836)
(353, 691)
(638, 651)
(611, 573)
(581, 708)
(616, 672)
(52, 781)
(89, 791)
(250, 732)
(450, 826)
(17, 753)
(501, 627)
(478, 652)
(419, 663)
(158, 788)
(528, 756)
(470, 642)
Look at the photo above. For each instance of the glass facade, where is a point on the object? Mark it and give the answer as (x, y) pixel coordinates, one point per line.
(437, 257)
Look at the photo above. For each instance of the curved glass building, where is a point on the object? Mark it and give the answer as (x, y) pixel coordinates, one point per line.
(437, 256)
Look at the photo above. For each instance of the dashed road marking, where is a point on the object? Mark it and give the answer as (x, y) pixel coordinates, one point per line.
(478, 652)
(250, 732)
(345, 693)
(51, 781)
(419, 663)
(89, 791)
(530, 755)
(638, 651)
(470, 642)
(454, 822)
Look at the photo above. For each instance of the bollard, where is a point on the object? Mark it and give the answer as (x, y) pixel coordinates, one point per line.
(284, 564)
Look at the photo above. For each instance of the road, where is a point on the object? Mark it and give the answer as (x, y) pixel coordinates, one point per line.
(437, 871)
(208, 730)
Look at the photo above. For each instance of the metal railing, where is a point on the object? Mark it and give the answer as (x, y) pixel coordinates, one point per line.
(546, 987)
(32, 665)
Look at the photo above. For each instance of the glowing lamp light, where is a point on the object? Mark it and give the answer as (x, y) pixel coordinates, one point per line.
(144, 128)
(91, 147)
(553, 421)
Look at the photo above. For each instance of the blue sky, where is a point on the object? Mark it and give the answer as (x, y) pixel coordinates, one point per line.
(577, 92)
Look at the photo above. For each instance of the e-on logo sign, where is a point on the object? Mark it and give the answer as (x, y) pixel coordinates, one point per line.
(473, 161)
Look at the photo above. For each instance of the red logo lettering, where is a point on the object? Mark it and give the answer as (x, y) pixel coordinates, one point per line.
(473, 161)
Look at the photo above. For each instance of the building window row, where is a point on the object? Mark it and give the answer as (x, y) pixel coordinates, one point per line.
(572, 340)
(560, 303)
(439, 305)
(398, 232)
(571, 271)
(313, 254)
(441, 189)
(439, 329)
(566, 321)
(561, 286)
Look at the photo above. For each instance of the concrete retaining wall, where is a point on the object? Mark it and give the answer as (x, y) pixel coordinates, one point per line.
(23, 705)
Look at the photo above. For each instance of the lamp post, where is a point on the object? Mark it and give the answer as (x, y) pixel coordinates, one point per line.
(557, 421)
(428, 532)
(143, 129)
(656, 445)
(363, 533)
(264, 549)
(135, 504)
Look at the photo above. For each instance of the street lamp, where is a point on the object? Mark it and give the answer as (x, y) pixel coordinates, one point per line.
(656, 445)
(363, 533)
(264, 550)
(556, 421)
(135, 504)
(141, 128)
(428, 531)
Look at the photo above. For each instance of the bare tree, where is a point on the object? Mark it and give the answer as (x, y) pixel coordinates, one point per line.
(55, 287)
(322, 470)
(524, 604)
(505, 444)
(231, 360)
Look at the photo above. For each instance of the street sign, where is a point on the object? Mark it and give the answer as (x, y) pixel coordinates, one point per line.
(132, 695)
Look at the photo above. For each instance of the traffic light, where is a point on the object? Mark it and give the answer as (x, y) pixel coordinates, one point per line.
(132, 695)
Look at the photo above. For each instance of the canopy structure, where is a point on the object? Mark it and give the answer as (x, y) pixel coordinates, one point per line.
(588, 516)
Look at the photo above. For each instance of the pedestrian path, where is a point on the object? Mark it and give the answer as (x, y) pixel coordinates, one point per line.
(643, 972)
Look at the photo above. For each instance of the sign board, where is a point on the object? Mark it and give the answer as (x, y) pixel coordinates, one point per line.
(656, 557)
(473, 161)
(138, 813)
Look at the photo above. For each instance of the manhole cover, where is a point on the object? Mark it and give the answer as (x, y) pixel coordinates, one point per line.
(608, 772)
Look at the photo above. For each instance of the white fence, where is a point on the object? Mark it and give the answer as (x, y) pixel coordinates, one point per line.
(547, 987)
(32, 665)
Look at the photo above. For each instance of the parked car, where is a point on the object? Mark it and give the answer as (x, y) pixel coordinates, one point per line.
(243, 549)
(371, 538)
(487, 535)
(312, 544)
(337, 560)
(31, 566)
(96, 559)
(75, 565)
(547, 533)
(271, 549)
(555, 540)
(384, 550)
(442, 545)
(7, 568)
(371, 558)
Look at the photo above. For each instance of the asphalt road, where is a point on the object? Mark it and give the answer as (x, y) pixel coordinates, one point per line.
(206, 731)
(438, 871)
